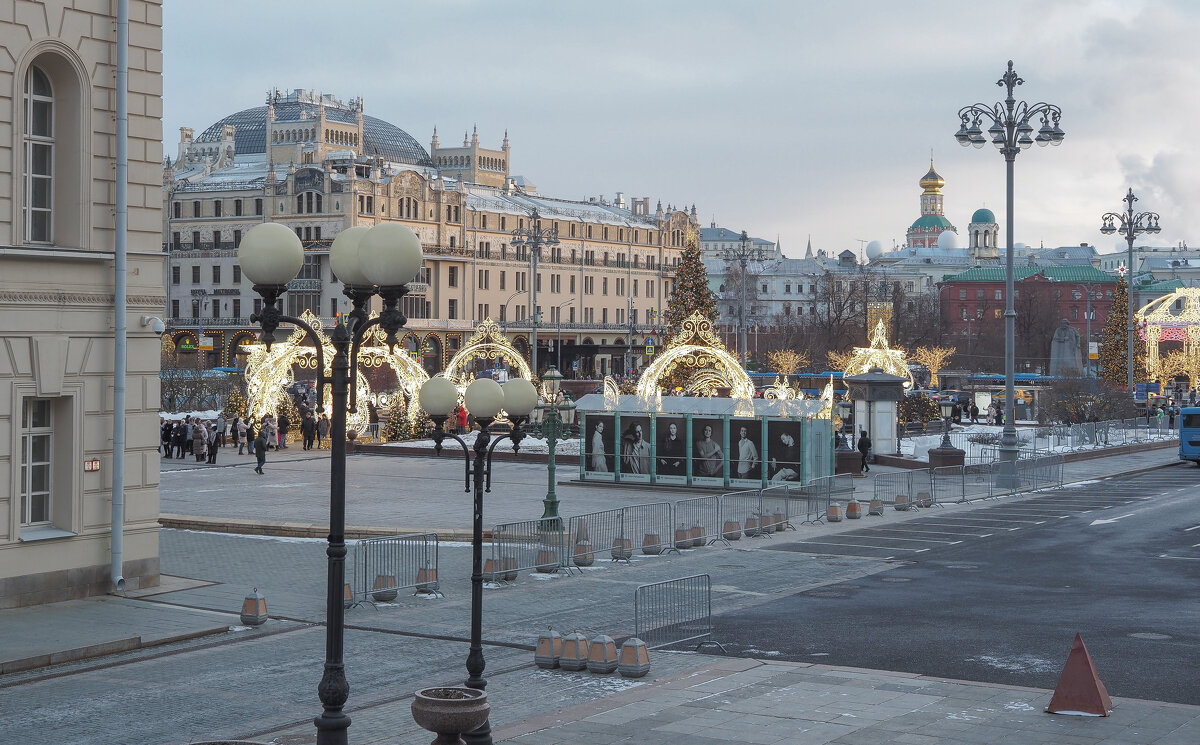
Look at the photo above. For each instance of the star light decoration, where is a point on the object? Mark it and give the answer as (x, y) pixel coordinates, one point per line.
(879, 354)
(269, 372)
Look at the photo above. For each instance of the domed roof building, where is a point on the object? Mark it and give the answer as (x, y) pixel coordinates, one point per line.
(924, 232)
(985, 235)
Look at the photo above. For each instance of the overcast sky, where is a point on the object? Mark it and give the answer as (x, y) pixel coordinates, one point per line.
(794, 118)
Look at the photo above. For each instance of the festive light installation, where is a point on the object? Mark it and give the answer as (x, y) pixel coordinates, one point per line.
(697, 353)
(488, 343)
(268, 372)
(1159, 320)
(783, 391)
(879, 354)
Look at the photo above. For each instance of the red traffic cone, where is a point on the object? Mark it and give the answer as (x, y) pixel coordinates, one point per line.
(1079, 689)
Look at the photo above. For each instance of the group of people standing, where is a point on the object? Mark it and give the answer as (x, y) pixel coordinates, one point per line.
(203, 439)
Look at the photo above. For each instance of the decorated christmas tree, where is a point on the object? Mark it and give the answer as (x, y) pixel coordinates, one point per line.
(691, 293)
(235, 403)
(1114, 341)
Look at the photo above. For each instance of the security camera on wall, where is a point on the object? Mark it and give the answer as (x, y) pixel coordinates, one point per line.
(155, 323)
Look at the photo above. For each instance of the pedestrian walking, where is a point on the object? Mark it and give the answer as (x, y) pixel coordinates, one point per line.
(322, 429)
(221, 430)
(189, 433)
(260, 450)
(974, 413)
(864, 447)
(463, 421)
(251, 435)
(1172, 410)
(243, 426)
(308, 429)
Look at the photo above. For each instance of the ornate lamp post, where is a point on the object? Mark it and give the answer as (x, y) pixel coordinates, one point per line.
(1088, 291)
(743, 252)
(380, 260)
(533, 238)
(485, 399)
(1011, 132)
(1131, 225)
(554, 427)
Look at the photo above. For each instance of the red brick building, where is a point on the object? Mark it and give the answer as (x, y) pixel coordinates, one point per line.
(972, 307)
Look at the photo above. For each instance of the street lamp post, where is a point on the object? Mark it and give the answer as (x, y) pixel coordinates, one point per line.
(1088, 290)
(380, 260)
(533, 238)
(1011, 133)
(485, 399)
(1131, 225)
(743, 252)
(554, 426)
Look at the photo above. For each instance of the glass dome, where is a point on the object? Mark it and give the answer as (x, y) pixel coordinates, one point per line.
(379, 137)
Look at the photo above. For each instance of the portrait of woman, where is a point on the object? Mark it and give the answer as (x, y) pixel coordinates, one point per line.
(599, 444)
(671, 455)
(708, 453)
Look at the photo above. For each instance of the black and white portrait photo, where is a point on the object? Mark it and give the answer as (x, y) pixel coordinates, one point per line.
(745, 452)
(599, 446)
(783, 450)
(670, 460)
(708, 451)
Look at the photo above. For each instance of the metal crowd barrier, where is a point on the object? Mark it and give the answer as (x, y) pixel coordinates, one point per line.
(616, 534)
(746, 508)
(383, 566)
(525, 545)
(888, 486)
(700, 519)
(675, 612)
(949, 483)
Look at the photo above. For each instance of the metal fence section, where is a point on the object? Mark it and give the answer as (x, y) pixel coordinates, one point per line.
(949, 483)
(384, 566)
(775, 505)
(526, 545)
(700, 517)
(745, 508)
(615, 535)
(677, 611)
(888, 486)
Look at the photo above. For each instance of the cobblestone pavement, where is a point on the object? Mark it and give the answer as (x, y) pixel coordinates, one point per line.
(212, 682)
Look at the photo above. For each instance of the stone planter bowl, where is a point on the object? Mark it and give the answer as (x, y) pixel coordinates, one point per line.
(449, 711)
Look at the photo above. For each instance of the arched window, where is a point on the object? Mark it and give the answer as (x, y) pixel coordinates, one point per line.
(39, 156)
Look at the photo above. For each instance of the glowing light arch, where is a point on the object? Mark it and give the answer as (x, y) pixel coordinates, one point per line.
(489, 343)
(1159, 321)
(695, 348)
(268, 372)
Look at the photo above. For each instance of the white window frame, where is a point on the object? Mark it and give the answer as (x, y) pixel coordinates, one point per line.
(29, 142)
(30, 434)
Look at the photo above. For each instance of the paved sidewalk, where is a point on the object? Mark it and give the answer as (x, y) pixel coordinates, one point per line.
(687, 699)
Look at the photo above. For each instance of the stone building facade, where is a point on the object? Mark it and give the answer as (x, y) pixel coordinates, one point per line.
(320, 165)
(57, 253)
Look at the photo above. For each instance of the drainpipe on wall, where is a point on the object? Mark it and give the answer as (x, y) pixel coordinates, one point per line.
(119, 298)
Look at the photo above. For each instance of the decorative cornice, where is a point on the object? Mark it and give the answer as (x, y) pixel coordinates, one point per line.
(81, 298)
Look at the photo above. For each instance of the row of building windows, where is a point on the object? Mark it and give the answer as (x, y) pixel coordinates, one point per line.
(218, 208)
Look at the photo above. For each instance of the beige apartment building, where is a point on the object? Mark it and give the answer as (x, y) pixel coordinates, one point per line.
(321, 165)
(58, 249)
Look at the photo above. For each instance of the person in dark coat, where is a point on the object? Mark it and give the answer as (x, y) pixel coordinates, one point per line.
(308, 429)
(864, 447)
(260, 450)
(322, 429)
(284, 424)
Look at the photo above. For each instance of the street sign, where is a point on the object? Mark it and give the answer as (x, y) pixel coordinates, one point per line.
(650, 349)
(575, 364)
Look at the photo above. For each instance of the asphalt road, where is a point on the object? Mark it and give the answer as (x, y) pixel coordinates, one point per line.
(997, 595)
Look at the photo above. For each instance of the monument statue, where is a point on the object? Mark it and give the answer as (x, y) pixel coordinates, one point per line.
(1065, 358)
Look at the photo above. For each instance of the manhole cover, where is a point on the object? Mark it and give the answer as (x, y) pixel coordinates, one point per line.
(731, 566)
(895, 579)
(1149, 635)
(829, 593)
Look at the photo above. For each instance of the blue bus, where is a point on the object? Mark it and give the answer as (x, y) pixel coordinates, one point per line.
(1189, 434)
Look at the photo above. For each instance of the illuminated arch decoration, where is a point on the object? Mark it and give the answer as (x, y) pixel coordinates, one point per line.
(879, 354)
(269, 372)
(1158, 321)
(702, 358)
(489, 343)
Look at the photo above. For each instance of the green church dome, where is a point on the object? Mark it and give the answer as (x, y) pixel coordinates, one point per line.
(931, 222)
(983, 215)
